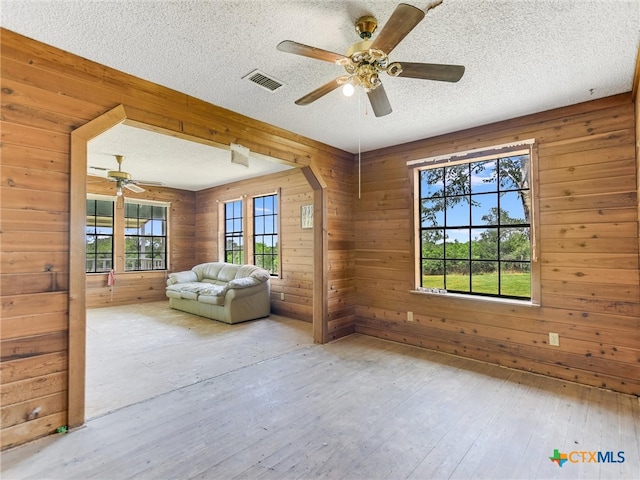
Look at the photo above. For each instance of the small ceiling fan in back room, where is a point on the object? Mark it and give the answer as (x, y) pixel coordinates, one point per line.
(123, 179)
(364, 61)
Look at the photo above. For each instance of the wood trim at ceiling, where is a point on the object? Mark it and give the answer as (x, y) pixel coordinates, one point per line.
(77, 287)
(320, 272)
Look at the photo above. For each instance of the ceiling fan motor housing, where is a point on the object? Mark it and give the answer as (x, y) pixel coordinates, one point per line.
(118, 175)
(358, 48)
(367, 63)
(365, 26)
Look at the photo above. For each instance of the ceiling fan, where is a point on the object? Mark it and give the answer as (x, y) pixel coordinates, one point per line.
(365, 60)
(123, 179)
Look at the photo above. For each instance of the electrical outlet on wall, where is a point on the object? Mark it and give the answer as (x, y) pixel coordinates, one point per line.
(554, 339)
(282, 296)
(409, 316)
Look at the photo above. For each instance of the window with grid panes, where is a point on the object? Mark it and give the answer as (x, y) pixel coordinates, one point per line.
(233, 232)
(99, 236)
(265, 233)
(475, 227)
(145, 237)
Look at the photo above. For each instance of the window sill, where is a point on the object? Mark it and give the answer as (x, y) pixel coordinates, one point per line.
(127, 272)
(144, 271)
(477, 298)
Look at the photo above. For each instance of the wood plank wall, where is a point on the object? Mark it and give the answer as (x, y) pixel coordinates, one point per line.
(296, 243)
(46, 94)
(339, 259)
(636, 87)
(137, 287)
(588, 214)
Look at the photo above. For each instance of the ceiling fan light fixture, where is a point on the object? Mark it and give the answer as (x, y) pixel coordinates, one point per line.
(348, 89)
(124, 180)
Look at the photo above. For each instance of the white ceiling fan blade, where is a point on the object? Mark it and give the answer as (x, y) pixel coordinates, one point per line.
(150, 183)
(133, 187)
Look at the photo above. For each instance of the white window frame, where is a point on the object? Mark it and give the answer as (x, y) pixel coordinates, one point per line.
(464, 157)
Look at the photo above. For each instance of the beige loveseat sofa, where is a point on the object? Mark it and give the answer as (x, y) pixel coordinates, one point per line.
(221, 291)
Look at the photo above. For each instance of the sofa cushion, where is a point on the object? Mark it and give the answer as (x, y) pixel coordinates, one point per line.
(228, 272)
(213, 281)
(201, 291)
(211, 299)
(177, 287)
(173, 293)
(212, 294)
(212, 290)
(208, 270)
(188, 295)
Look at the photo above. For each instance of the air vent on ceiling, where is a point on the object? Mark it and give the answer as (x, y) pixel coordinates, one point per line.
(265, 81)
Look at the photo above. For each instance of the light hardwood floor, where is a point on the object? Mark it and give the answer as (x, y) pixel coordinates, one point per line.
(359, 407)
(136, 352)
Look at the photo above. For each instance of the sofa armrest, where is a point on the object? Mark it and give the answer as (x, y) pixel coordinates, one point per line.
(182, 277)
(244, 282)
(244, 292)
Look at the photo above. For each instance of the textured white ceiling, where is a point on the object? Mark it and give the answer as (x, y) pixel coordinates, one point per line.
(178, 163)
(521, 57)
